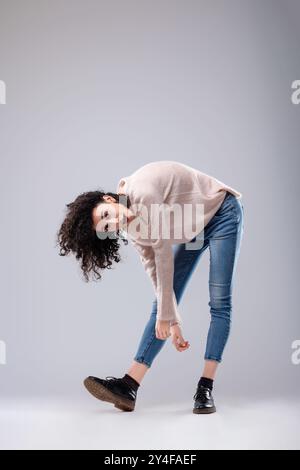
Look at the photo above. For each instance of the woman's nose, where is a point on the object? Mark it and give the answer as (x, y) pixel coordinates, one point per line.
(114, 222)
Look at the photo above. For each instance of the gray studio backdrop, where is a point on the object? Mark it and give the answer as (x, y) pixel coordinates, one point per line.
(95, 89)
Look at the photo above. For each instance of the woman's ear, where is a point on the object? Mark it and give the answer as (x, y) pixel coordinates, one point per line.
(108, 198)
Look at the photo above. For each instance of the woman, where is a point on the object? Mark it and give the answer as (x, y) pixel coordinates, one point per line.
(154, 207)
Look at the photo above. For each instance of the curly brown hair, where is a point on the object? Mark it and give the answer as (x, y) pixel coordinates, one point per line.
(78, 236)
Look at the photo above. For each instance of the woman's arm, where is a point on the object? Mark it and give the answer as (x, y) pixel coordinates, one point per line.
(164, 266)
(148, 260)
(159, 265)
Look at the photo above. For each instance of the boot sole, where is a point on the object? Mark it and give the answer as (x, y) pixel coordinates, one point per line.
(101, 393)
(204, 411)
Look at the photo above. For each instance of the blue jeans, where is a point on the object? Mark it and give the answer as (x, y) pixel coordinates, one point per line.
(223, 235)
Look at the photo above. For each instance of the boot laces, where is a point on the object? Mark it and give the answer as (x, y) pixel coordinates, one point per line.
(201, 394)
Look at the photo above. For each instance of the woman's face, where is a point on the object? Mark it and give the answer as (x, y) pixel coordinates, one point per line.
(110, 216)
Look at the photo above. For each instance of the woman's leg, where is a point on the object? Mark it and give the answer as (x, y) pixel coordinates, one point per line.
(224, 247)
(184, 264)
(137, 371)
(210, 369)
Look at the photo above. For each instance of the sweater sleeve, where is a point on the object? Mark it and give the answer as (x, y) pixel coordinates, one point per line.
(166, 300)
(158, 262)
(148, 261)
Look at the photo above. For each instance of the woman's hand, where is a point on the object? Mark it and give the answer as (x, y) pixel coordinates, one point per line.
(162, 329)
(177, 338)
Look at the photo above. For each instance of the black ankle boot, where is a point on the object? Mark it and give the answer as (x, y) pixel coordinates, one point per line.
(204, 402)
(113, 390)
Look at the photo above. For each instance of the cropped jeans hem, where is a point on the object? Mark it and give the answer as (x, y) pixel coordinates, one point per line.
(211, 358)
(142, 361)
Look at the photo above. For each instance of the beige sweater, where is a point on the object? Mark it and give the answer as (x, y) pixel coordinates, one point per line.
(172, 184)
